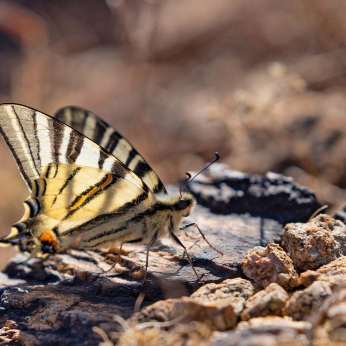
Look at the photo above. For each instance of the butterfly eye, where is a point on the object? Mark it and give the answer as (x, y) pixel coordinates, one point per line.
(182, 204)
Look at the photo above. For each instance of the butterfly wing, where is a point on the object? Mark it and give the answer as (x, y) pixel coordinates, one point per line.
(36, 139)
(70, 202)
(93, 127)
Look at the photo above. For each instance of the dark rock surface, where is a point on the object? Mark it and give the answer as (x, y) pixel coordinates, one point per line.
(341, 215)
(59, 300)
(273, 196)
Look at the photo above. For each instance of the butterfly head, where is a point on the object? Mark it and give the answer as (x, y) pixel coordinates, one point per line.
(185, 204)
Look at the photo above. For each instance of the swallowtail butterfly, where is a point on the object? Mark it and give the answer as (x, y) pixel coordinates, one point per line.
(89, 186)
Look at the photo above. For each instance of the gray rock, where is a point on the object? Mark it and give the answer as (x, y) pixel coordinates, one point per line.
(272, 196)
(269, 331)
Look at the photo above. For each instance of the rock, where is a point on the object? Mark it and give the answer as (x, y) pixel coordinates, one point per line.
(62, 315)
(273, 196)
(160, 312)
(303, 303)
(334, 268)
(334, 273)
(218, 305)
(269, 301)
(60, 299)
(338, 230)
(308, 277)
(194, 334)
(330, 320)
(269, 331)
(270, 264)
(311, 244)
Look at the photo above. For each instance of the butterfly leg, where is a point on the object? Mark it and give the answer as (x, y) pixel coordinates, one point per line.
(108, 270)
(176, 239)
(152, 241)
(119, 256)
(203, 236)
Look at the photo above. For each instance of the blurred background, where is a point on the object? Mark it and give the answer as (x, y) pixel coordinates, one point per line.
(262, 82)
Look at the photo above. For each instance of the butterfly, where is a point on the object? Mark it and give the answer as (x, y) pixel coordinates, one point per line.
(89, 187)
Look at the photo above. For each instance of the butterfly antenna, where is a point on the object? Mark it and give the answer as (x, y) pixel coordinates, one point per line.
(217, 156)
(188, 177)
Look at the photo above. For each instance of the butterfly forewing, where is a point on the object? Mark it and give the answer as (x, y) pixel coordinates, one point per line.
(107, 137)
(37, 139)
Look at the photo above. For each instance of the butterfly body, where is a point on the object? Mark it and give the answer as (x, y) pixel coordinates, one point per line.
(89, 189)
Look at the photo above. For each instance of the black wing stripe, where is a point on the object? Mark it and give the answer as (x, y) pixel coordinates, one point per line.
(102, 219)
(67, 181)
(108, 138)
(36, 138)
(132, 154)
(34, 206)
(26, 139)
(16, 157)
(48, 170)
(74, 147)
(126, 208)
(94, 195)
(56, 142)
(37, 189)
(102, 159)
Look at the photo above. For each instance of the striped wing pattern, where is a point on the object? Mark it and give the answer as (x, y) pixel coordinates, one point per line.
(36, 139)
(90, 205)
(76, 185)
(93, 127)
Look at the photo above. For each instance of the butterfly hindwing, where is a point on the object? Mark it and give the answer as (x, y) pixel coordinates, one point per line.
(93, 127)
(70, 202)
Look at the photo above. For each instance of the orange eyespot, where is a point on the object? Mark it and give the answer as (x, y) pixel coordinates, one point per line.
(50, 238)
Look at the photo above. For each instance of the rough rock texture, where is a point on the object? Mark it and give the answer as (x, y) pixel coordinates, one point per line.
(269, 331)
(308, 277)
(338, 229)
(337, 267)
(303, 303)
(160, 311)
(270, 264)
(273, 196)
(219, 305)
(312, 244)
(330, 320)
(59, 300)
(191, 334)
(334, 273)
(269, 301)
